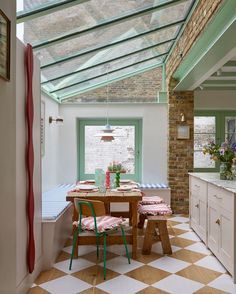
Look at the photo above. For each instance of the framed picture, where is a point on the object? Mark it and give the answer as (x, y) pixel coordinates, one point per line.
(42, 128)
(183, 132)
(5, 28)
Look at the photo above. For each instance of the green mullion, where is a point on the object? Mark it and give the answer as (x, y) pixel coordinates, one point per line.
(116, 79)
(113, 44)
(107, 24)
(225, 74)
(105, 74)
(108, 61)
(230, 64)
(44, 10)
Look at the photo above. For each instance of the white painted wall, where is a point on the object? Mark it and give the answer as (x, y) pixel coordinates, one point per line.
(7, 166)
(218, 100)
(154, 137)
(23, 279)
(50, 158)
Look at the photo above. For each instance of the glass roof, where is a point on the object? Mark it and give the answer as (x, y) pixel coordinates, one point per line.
(86, 43)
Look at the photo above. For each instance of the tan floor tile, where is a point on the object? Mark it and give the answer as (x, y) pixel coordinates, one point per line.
(172, 223)
(209, 290)
(181, 242)
(62, 256)
(175, 232)
(94, 275)
(147, 258)
(199, 274)
(49, 275)
(148, 274)
(37, 290)
(93, 290)
(188, 255)
(92, 256)
(151, 290)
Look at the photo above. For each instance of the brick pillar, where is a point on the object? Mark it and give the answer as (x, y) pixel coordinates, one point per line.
(180, 151)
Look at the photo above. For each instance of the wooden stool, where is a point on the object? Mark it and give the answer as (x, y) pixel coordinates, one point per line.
(156, 222)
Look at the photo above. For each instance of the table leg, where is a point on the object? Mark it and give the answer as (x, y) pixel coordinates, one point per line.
(134, 229)
(75, 218)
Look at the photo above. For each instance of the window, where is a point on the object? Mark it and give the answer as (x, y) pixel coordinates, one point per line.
(217, 126)
(94, 153)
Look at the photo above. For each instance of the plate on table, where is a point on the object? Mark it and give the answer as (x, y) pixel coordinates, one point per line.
(86, 187)
(90, 181)
(124, 188)
(125, 181)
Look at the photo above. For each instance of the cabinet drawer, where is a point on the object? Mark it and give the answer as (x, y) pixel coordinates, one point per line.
(221, 197)
(198, 188)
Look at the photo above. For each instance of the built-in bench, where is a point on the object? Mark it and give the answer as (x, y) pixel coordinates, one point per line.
(56, 222)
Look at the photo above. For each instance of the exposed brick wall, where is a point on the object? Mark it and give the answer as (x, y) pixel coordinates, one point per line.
(144, 86)
(180, 157)
(196, 25)
(180, 152)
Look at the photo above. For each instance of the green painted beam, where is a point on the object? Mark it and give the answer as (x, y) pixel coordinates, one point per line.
(99, 85)
(231, 63)
(224, 75)
(107, 24)
(211, 51)
(220, 88)
(108, 73)
(43, 10)
(108, 61)
(113, 44)
(221, 82)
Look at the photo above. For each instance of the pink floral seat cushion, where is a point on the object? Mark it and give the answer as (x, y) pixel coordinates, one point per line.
(155, 209)
(151, 200)
(104, 223)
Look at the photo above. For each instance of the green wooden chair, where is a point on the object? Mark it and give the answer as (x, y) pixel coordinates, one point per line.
(92, 217)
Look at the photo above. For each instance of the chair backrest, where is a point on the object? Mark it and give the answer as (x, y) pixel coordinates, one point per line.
(90, 207)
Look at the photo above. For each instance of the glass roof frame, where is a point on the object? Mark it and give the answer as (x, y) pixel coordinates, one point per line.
(55, 6)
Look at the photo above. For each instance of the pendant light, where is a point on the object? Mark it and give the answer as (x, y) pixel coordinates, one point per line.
(107, 133)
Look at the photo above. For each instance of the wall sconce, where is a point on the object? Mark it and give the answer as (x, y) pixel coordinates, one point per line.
(182, 117)
(57, 120)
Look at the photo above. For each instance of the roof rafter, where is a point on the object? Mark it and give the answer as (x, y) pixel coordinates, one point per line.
(105, 74)
(44, 10)
(113, 44)
(107, 24)
(108, 61)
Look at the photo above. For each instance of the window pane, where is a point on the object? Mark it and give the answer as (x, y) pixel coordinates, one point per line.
(200, 140)
(204, 124)
(99, 154)
(203, 161)
(230, 125)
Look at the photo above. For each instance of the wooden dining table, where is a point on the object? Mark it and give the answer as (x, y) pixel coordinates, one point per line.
(111, 196)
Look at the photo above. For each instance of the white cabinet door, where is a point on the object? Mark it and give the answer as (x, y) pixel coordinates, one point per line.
(202, 224)
(194, 212)
(226, 239)
(213, 227)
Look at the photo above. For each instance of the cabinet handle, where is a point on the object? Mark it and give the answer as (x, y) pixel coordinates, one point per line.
(197, 205)
(197, 186)
(217, 197)
(218, 221)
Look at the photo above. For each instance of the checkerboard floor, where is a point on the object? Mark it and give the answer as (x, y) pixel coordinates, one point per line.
(190, 269)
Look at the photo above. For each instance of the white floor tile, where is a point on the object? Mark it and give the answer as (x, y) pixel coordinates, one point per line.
(190, 236)
(183, 226)
(77, 265)
(212, 263)
(67, 284)
(120, 264)
(83, 249)
(199, 247)
(180, 219)
(224, 283)
(169, 264)
(176, 285)
(122, 284)
(157, 248)
(118, 249)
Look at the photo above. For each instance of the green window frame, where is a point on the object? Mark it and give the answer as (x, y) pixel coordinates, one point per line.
(220, 130)
(81, 123)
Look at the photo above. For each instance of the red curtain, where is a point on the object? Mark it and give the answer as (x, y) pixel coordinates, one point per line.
(30, 157)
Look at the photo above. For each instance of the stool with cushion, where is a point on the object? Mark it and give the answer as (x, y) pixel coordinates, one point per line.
(92, 217)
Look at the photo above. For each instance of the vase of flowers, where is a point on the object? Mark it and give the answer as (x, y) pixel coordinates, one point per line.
(225, 154)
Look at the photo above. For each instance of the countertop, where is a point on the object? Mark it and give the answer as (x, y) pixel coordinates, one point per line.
(214, 178)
